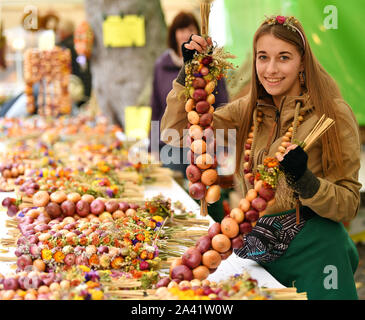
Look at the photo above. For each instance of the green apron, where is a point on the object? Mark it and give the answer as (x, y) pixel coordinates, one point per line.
(321, 260)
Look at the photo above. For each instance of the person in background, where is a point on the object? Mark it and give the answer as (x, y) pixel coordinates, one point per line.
(65, 39)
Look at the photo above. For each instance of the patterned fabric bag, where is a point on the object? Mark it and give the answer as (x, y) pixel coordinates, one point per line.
(272, 234)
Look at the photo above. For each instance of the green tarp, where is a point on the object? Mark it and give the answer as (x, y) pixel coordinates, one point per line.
(340, 49)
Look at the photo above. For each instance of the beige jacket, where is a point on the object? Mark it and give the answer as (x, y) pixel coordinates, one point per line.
(337, 198)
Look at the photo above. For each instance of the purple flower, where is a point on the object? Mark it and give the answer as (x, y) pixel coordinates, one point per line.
(158, 224)
(197, 75)
(109, 193)
(92, 275)
(134, 241)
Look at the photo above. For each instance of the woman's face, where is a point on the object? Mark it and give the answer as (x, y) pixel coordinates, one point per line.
(183, 34)
(278, 64)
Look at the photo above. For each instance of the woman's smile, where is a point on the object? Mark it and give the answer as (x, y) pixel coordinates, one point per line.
(274, 81)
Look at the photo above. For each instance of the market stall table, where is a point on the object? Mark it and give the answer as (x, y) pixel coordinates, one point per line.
(231, 266)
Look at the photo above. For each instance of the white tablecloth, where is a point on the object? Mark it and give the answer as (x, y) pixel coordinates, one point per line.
(228, 267)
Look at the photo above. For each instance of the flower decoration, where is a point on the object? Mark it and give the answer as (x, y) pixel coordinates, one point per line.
(288, 22)
(280, 19)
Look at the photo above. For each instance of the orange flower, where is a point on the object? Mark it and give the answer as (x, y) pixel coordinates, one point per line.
(60, 243)
(92, 284)
(143, 255)
(127, 241)
(271, 162)
(199, 291)
(117, 262)
(94, 259)
(58, 256)
(134, 261)
(95, 240)
(150, 255)
(140, 237)
(116, 243)
(137, 274)
(75, 283)
(106, 240)
(83, 241)
(71, 241)
(137, 246)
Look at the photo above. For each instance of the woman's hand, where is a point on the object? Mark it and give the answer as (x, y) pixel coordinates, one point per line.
(195, 44)
(280, 157)
(293, 163)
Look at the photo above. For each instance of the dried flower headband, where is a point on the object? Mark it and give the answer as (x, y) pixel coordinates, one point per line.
(288, 22)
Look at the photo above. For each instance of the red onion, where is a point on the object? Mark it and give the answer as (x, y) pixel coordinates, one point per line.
(124, 206)
(24, 261)
(10, 284)
(182, 272)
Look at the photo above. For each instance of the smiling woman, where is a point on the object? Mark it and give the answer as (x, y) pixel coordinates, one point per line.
(278, 64)
(290, 91)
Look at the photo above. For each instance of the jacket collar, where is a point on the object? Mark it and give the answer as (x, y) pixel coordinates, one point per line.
(286, 108)
(287, 104)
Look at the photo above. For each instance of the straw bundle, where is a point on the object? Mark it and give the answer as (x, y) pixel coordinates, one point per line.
(319, 129)
(205, 6)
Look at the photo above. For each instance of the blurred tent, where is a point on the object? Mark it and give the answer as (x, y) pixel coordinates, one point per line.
(338, 44)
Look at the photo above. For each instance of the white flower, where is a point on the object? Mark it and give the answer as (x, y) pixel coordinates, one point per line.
(67, 249)
(150, 248)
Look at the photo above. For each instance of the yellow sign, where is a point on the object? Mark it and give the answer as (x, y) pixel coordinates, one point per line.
(127, 31)
(137, 121)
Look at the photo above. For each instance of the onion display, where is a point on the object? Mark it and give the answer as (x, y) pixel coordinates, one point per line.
(182, 272)
(192, 258)
(97, 207)
(201, 81)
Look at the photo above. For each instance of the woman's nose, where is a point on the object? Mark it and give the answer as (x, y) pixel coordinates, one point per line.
(272, 67)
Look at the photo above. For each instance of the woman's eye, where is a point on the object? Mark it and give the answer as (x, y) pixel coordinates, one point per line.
(284, 58)
(262, 57)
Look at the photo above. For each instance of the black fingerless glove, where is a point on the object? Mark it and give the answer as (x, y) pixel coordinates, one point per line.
(298, 177)
(294, 164)
(187, 53)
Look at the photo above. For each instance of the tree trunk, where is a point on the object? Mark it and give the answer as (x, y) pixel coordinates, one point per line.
(120, 74)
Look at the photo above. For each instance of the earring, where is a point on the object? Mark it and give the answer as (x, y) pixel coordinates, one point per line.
(302, 78)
